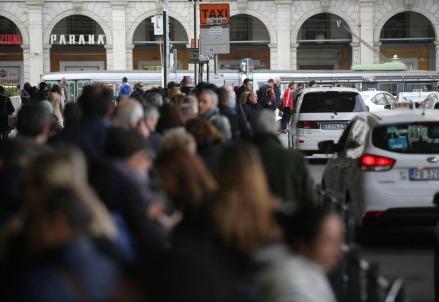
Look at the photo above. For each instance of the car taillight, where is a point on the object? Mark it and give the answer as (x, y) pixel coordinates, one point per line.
(375, 163)
(308, 125)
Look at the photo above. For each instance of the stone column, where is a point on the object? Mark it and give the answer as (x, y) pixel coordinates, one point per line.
(119, 36)
(293, 54)
(283, 30)
(366, 31)
(356, 53)
(377, 53)
(26, 62)
(36, 64)
(109, 52)
(130, 58)
(274, 56)
(436, 43)
(46, 58)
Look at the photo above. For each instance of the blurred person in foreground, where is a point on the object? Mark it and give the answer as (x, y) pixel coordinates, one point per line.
(209, 141)
(151, 118)
(243, 214)
(69, 267)
(193, 271)
(33, 122)
(186, 85)
(170, 119)
(178, 139)
(173, 89)
(208, 109)
(287, 172)
(297, 271)
(96, 105)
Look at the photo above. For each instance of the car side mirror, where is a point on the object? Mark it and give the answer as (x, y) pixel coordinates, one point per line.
(388, 107)
(328, 147)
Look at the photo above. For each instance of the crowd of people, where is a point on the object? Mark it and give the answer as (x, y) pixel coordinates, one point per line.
(180, 193)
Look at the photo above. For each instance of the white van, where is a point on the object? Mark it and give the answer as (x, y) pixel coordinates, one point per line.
(322, 114)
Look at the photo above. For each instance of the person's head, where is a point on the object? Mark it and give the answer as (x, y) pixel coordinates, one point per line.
(173, 89)
(243, 211)
(248, 84)
(226, 96)
(62, 217)
(27, 86)
(63, 81)
(265, 123)
(2, 90)
(187, 112)
(44, 87)
(129, 115)
(208, 101)
(154, 99)
(33, 120)
(192, 101)
(277, 82)
(17, 153)
(170, 118)
(270, 94)
(184, 178)
(124, 80)
(151, 116)
(204, 132)
(72, 114)
(317, 234)
(201, 86)
(186, 81)
(312, 83)
(96, 100)
(178, 139)
(291, 85)
(252, 98)
(138, 86)
(300, 86)
(178, 99)
(130, 147)
(428, 87)
(270, 82)
(244, 97)
(56, 89)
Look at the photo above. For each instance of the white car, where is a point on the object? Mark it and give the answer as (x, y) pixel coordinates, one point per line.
(378, 100)
(322, 114)
(386, 168)
(432, 101)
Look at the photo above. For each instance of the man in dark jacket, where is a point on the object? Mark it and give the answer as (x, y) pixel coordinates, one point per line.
(286, 170)
(6, 109)
(247, 114)
(227, 107)
(247, 86)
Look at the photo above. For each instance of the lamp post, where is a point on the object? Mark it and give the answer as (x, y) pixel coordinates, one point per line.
(165, 43)
(195, 37)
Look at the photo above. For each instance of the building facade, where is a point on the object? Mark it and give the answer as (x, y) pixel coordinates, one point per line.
(41, 36)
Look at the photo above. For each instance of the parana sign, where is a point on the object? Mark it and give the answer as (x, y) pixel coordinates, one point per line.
(77, 39)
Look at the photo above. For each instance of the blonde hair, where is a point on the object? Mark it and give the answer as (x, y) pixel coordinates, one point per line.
(244, 97)
(66, 167)
(243, 210)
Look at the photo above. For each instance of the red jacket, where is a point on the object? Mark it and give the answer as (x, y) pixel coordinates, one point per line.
(287, 99)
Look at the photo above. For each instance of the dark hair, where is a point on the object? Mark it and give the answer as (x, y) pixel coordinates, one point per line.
(32, 119)
(72, 114)
(312, 82)
(223, 95)
(170, 117)
(55, 88)
(204, 86)
(304, 225)
(291, 84)
(68, 203)
(246, 81)
(429, 87)
(2, 89)
(95, 100)
(300, 84)
(204, 132)
(27, 86)
(270, 81)
(154, 98)
(184, 177)
(124, 79)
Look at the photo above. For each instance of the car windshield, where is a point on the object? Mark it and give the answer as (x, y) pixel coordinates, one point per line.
(413, 138)
(332, 101)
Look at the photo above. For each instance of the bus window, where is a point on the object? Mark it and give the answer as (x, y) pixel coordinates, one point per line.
(71, 91)
(391, 87)
(80, 85)
(409, 87)
(369, 85)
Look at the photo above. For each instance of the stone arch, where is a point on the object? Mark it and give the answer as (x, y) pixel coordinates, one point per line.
(381, 23)
(268, 25)
(105, 27)
(299, 23)
(147, 15)
(20, 26)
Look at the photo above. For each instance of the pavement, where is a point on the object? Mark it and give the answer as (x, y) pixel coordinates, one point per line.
(403, 252)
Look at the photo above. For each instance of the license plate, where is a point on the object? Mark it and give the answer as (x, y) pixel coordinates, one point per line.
(424, 174)
(332, 126)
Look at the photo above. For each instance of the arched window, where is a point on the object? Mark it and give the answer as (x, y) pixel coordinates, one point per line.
(148, 49)
(249, 38)
(77, 43)
(324, 43)
(11, 54)
(409, 35)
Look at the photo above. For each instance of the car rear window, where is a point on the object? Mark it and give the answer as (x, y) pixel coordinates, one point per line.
(332, 101)
(413, 138)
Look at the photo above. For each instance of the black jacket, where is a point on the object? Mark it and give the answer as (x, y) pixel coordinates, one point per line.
(6, 109)
(233, 120)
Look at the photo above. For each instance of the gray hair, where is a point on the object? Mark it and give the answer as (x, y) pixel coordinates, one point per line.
(151, 112)
(265, 122)
(154, 99)
(178, 138)
(128, 114)
(212, 94)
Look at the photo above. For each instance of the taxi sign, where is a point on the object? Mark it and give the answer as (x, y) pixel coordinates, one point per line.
(214, 14)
